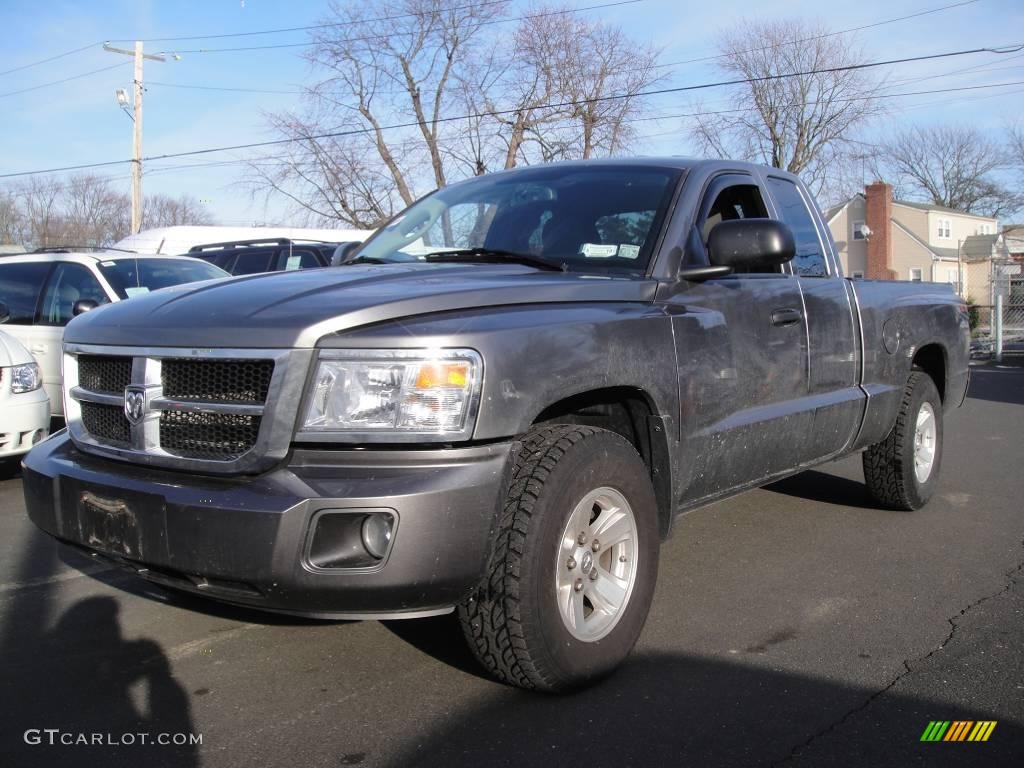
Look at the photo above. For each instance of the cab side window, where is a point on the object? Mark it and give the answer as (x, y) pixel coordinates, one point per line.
(738, 201)
(810, 258)
(67, 284)
(253, 263)
(20, 285)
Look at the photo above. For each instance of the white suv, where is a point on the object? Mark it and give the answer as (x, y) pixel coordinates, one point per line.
(43, 290)
(24, 407)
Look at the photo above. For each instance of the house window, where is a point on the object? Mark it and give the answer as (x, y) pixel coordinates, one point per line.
(915, 275)
(984, 229)
(857, 274)
(858, 230)
(945, 228)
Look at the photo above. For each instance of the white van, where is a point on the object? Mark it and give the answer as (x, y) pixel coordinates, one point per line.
(24, 407)
(179, 239)
(42, 291)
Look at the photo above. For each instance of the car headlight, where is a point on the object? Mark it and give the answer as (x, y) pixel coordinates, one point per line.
(388, 394)
(25, 378)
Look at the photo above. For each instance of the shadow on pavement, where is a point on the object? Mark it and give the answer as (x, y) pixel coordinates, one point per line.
(674, 710)
(998, 384)
(77, 673)
(829, 489)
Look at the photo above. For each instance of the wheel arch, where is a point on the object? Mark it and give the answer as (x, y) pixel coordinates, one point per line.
(631, 413)
(932, 359)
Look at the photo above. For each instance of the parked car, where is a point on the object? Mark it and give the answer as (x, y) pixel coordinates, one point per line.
(44, 289)
(248, 257)
(24, 407)
(181, 238)
(499, 406)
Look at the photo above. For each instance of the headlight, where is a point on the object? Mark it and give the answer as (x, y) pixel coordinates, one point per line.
(25, 378)
(387, 394)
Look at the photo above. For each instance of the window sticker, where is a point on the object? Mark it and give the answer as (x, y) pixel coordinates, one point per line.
(628, 251)
(135, 291)
(294, 262)
(598, 251)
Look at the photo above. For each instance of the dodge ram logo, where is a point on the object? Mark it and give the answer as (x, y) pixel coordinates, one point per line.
(134, 403)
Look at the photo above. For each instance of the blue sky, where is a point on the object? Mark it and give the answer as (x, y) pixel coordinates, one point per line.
(79, 122)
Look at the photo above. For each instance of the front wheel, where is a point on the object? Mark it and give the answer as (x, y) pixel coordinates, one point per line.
(574, 564)
(902, 470)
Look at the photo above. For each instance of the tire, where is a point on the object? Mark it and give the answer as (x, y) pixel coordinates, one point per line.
(517, 620)
(894, 478)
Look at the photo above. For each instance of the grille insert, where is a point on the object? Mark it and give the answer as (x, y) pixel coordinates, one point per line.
(102, 373)
(214, 436)
(219, 381)
(106, 422)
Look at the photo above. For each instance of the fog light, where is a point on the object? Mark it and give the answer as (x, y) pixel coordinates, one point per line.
(377, 534)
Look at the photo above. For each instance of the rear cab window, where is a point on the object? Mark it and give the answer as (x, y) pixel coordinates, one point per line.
(810, 255)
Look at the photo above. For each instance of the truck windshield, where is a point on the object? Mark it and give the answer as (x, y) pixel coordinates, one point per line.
(131, 277)
(584, 219)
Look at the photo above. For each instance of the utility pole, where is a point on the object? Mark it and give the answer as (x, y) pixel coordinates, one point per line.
(139, 55)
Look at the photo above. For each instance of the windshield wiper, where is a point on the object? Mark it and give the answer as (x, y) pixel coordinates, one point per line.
(493, 255)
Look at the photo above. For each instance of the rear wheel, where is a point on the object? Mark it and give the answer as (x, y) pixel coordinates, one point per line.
(575, 560)
(902, 470)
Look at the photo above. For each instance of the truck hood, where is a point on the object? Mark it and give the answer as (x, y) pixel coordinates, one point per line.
(297, 309)
(12, 351)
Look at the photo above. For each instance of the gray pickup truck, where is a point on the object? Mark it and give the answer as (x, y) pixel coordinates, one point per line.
(499, 406)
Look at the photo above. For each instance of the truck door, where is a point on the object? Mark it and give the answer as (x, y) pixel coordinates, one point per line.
(833, 338)
(741, 350)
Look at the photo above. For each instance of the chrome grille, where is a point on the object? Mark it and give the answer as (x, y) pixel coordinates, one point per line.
(216, 436)
(106, 422)
(221, 381)
(201, 409)
(104, 373)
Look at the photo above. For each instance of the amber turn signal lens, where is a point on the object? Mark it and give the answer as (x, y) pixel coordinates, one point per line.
(433, 375)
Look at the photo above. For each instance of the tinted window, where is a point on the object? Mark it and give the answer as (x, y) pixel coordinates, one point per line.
(583, 218)
(739, 201)
(19, 289)
(296, 259)
(253, 263)
(809, 260)
(68, 283)
(131, 277)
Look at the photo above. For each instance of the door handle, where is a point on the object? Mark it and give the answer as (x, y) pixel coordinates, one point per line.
(37, 349)
(784, 317)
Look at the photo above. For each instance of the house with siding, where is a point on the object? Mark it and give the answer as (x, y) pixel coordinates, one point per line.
(880, 238)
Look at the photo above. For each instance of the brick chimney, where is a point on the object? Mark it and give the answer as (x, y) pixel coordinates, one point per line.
(877, 216)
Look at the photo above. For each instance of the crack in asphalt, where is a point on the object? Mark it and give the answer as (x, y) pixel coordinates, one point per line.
(1011, 578)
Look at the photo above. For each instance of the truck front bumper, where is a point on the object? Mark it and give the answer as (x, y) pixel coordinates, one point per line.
(248, 540)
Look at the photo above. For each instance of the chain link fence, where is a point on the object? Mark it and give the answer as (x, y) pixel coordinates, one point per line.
(991, 329)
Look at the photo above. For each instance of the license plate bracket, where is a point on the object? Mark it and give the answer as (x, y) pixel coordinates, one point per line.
(108, 525)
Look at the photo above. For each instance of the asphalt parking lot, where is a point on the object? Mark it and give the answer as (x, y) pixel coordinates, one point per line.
(794, 625)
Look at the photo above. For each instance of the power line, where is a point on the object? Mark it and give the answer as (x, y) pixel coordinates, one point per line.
(494, 113)
(655, 66)
(822, 36)
(326, 25)
(560, 12)
(51, 58)
(64, 80)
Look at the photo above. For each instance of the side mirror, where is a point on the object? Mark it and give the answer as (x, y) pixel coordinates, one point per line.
(757, 244)
(5, 313)
(83, 305)
(342, 252)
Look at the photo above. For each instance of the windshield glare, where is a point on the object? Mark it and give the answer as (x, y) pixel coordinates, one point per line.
(588, 219)
(131, 277)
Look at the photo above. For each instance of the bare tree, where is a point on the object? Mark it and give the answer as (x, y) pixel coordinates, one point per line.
(93, 214)
(800, 104)
(40, 205)
(954, 166)
(167, 211)
(12, 221)
(429, 93)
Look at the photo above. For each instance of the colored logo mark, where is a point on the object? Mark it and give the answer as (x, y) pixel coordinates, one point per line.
(958, 730)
